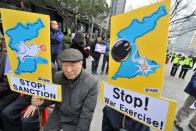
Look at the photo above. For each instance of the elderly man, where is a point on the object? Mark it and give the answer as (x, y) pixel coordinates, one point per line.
(79, 95)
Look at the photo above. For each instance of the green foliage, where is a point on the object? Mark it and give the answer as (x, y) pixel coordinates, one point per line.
(67, 39)
(73, 10)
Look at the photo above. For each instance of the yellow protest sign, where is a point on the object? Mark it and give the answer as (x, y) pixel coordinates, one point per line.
(27, 38)
(138, 48)
(29, 87)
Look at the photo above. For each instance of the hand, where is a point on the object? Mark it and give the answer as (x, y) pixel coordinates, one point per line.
(91, 58)
(87, 48)
(30, 111)
(37, 101)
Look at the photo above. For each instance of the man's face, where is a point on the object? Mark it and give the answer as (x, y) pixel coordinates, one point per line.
(98, 39)
(72, 69)
(54, 25)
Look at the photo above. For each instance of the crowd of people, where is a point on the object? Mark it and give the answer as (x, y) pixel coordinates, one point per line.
(19, 112)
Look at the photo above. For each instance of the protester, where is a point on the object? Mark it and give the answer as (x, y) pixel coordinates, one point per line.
(56, 39)
(79, 95)
(96, 54)
(186, 110)
(105, 58)
(88, 41)
(6, 95)
(16, 110)
(79, 43)
(116, 121)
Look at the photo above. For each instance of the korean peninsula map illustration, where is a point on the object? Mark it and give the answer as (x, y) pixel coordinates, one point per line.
(27, 54)
(136, 65)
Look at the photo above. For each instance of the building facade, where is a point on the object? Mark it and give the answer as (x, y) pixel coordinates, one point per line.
(118, 6)
(184, 39)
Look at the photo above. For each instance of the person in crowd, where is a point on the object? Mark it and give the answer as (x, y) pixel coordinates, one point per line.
(79, 95)
(95, 54)
(187, 64)
(167, 58)
(79, 43)
(56, 42)
(175, 65)
(116, 121)
(1, 48)
(88, 43)
(186, 110)
(6, 95)
(87, 38)
(106, 58)
(15, 110)
(14, 119)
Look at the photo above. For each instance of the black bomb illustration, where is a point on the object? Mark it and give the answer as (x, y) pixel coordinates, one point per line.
(121, 50)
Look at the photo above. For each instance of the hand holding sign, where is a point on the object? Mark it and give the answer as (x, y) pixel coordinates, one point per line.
(30, 111)
(100, 48)
(37, 101)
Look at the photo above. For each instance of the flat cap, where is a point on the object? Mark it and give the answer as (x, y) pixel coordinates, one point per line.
(70, 55)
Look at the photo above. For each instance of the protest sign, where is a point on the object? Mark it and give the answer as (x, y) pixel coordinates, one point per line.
(28, 47)
(138, 48)
(28, 43)
(152, 111)
(44, 90)
(100, 48)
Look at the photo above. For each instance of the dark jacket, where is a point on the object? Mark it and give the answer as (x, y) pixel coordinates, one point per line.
(79, 43)
(93, 53)
(79, 98)
(113, 121)
(2, 64)
(191, 87)
(6, 95)
(84, 53)
(56, 40)
(4, 86)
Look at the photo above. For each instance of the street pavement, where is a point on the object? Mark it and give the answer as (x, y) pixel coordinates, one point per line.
(173, 89)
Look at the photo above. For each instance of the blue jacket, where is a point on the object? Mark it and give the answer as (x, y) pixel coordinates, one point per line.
(191, 87)
(56, 41)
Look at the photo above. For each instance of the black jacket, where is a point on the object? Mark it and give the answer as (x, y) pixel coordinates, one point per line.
(113, 120)
(191, 87)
